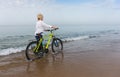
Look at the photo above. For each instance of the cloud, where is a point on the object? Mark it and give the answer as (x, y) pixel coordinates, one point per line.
(14, 12)
(91, 12)
(96, 12)
(23, 3)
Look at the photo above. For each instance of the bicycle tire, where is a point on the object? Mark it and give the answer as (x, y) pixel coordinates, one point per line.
(58, 44)
(30, 55)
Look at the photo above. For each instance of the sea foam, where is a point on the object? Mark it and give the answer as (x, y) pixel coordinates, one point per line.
(10, 51)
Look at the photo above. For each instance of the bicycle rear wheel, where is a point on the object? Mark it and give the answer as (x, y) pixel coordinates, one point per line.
(57, 45)
(29, 52)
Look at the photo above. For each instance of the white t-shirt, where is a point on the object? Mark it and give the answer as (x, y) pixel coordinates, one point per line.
(41, 26)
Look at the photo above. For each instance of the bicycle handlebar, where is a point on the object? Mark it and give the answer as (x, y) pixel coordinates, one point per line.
(52, 29)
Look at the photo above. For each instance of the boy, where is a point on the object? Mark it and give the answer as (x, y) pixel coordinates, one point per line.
(40, 28)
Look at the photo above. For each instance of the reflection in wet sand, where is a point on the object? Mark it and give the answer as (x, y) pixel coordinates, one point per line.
(58, 57)
(45, 64)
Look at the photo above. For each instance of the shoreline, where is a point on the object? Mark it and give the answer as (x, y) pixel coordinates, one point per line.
(96, 57)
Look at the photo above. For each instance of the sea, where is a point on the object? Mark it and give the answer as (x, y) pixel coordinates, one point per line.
(14, 39)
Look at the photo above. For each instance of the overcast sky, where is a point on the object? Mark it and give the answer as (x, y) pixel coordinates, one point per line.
(13, 12)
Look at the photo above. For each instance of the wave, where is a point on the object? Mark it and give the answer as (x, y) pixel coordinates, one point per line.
(14, 44)
(80, 38)
(75, 38)
(9, 51)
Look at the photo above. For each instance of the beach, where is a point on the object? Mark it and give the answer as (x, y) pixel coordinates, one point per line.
(95, 57)
(89, 30)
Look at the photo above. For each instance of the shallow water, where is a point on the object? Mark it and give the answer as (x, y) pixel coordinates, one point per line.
(96, 57)
(14, 39)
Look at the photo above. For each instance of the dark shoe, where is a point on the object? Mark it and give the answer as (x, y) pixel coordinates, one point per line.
(46, 50)
(39, 54)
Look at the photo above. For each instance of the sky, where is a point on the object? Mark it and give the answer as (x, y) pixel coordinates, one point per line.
(23, 12)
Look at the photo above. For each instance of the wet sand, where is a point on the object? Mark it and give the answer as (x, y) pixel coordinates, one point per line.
(96, 57)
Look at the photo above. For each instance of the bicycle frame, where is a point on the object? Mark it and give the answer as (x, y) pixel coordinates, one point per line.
(49, 40)
(50, 37)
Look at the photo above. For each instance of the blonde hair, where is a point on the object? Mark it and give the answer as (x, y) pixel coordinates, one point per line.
(40, 16)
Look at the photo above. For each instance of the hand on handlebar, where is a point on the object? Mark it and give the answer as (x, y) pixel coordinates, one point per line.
(52, 28)
(55, 27)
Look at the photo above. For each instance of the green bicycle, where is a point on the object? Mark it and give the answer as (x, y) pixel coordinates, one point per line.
(34, 49)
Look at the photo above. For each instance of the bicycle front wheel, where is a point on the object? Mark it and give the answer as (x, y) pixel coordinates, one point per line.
(29, 52)
(57, 45)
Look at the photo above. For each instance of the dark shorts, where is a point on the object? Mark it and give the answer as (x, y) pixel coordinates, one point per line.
(38, 36)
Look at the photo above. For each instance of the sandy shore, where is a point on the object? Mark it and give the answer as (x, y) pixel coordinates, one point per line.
(96, 57)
